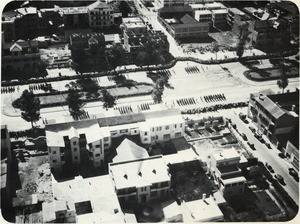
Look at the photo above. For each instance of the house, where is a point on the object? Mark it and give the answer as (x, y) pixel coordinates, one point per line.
(89, 140)
(20, 55)
(223, 166)
(274, 114)
(141, 180)
(128, 150)
(98, 203)
(180, 23)
(236, 18)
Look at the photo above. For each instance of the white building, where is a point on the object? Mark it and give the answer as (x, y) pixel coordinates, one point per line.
(100, 15)
(224, 168)
(204, 16)
(140, 180)
(69, 142)
(133, 24)
(219, 17)
(89, 200)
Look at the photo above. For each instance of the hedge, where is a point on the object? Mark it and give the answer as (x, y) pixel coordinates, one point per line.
(147, 68)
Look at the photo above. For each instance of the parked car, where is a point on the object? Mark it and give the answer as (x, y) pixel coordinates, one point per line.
(281, 155)
(245, 121)
(244, 137)
(268, 145)
(270, 168)
(261, 140)
(251, 145)
(293, 172)
(252, 129)
(279, 178)
(233, 125)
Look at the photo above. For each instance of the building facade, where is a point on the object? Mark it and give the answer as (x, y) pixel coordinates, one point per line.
(219, 18)
(180, 23)
(292, 153)
(224, 168)
(142, 180)
(70, 144)
(100, 15)
(19, 56)
(274, 114)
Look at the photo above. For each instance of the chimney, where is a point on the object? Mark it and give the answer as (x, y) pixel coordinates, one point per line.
(154, 171)
(125, 176)
(203, 196)
(140, 173)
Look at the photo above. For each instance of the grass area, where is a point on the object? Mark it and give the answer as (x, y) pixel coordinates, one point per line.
(117, 92)
(269, 73)
(190, 183)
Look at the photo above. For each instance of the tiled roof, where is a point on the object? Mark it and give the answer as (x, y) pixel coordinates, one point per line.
(187, 19)
(128, 150)
(118, 120)
(97, 5)
(270, 106)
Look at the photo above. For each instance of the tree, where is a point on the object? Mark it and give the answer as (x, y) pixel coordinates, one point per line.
(114, 55)
(282, 82)
(89, 86)
(74, 100)
(157, 94)
(244, 33)
(124, 8)
(108, 99)
(215, 48)
(30, 107)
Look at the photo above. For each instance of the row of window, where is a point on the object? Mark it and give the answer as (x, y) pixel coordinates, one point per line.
(101, 12)
(167, 127)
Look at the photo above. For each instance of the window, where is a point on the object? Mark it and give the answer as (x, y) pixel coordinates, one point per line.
(158, 128)
(54, 161)
(124, 131)
(181, 125)
(82, 136)
(106, 139)
(54, 152)
(177, 134)
(106, 145)
(97, 146)
(76, 157)
(175, 126)
(145, 139)
(75, 149)
(167, 127)
(152, 129)
(97, 154)
(74, 143)
(167, 136)
(153, 138)
(146, 133)
(154, 194)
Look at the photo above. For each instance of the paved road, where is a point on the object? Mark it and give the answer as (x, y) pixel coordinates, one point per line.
(270, 156)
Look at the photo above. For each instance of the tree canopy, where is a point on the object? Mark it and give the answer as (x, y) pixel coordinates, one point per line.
(74, 100)
(108, 99)
(244, 33)
(124, 8)
(114, 56)
(89, 86)
(30, 107)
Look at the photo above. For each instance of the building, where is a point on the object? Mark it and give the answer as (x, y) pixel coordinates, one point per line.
(100, 15)
(99, 202)
(204, 16)
(202, 210)
(128, 151)
(219, 18)
(164, 3)
(86, 41)
(134, 42)
(20, 23)
(179, 22)
(20, 56)
(134, 25)
(275, 115)
(266, 34)
(75, 18)
(292, 153)
(224, 168)
(140, 181)
(71, 143)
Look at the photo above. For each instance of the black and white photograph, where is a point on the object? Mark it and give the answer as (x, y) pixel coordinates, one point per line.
(149, 111)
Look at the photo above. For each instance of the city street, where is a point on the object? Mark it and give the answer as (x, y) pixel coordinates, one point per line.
(266, 155)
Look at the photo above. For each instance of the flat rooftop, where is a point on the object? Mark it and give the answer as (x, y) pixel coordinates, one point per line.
(228, 169)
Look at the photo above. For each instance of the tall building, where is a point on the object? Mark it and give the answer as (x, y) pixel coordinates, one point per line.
(100, 15)
(275, 115)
